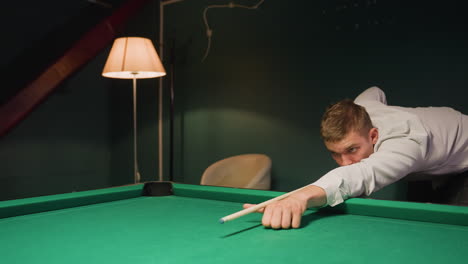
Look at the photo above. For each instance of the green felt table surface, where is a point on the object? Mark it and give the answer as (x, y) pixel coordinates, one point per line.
(184, 228)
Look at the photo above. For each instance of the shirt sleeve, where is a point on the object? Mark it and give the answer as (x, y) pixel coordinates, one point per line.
(372, 94)
(395, 159)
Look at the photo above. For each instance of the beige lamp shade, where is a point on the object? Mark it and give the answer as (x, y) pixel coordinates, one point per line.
(133, 57)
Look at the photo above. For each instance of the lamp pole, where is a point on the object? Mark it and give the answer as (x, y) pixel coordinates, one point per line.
(162, 4)
(136, 171)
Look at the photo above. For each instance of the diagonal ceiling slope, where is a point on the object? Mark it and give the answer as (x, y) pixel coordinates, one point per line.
(70, 52)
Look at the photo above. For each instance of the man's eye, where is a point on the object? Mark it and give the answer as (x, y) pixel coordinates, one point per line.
(352, 150)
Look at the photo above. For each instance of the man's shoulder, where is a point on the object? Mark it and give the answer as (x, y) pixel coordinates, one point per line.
(372, 94)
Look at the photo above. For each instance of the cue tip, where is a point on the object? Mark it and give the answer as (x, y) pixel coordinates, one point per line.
(221, 221)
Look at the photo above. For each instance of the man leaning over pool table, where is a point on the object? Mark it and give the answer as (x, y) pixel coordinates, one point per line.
(376, 145)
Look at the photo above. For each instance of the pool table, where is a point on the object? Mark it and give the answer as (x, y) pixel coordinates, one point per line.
(161, 222)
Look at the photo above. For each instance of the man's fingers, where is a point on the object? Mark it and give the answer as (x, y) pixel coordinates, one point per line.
(276, 217)
(267, 215)
(296, 218)
(280, 215)
(286, 218)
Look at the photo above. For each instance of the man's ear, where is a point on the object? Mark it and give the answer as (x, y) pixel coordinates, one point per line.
(374, 135)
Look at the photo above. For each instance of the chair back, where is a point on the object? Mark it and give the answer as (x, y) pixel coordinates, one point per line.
(251, 171)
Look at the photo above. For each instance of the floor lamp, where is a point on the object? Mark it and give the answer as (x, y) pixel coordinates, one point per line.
(133, 58)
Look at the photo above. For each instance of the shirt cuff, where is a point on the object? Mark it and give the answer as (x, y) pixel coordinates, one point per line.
(332, 191)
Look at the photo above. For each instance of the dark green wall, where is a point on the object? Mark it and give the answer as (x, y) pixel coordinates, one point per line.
(80, 138)
(263, 87)
(271, 72)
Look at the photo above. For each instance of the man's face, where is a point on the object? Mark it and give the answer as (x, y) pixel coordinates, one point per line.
(353, 147)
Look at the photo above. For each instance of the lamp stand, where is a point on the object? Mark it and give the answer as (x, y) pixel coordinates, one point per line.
(136, 172)
(134, 58)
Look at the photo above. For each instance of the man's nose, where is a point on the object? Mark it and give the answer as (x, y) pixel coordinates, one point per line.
(346, 160)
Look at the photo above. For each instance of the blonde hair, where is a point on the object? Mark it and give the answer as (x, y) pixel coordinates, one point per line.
(343, 117)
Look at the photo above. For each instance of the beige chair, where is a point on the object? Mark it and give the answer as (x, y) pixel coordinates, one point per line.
(251, 171)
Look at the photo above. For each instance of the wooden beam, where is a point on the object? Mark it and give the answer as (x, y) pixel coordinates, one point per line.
(80, 53)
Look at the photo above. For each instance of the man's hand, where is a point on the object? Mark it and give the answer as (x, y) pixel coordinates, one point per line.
(283, 214)
(288, 212)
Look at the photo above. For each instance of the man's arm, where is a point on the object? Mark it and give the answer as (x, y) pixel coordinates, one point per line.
(396, 159)
(288, 212)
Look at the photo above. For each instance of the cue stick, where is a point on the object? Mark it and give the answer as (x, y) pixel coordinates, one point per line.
(257, 207)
